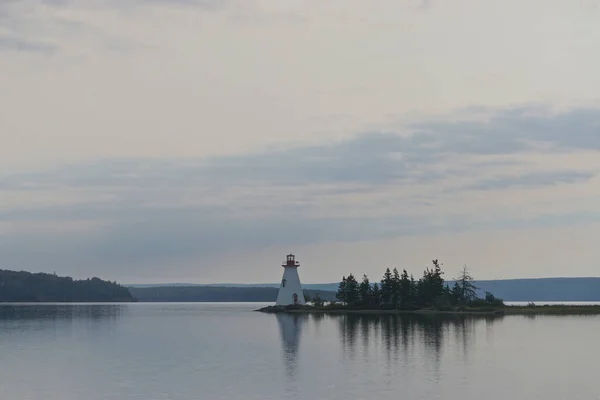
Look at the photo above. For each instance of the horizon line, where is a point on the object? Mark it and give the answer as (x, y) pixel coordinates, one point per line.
(335, 283)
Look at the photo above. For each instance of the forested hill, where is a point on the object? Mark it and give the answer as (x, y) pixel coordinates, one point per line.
(21, 286)
(214, 294)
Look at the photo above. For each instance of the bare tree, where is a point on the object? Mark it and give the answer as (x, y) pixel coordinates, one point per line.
(467, 290)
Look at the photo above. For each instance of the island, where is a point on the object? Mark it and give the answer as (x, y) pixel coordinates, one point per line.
(400, 293)
(22, 286)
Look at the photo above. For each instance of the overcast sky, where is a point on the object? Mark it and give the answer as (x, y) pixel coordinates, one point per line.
(202, 141)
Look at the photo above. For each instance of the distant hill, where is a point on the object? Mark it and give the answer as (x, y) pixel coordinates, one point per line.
(543, 289)
(199, 293)
(312, 286)
(534, 289)
(231, 285)
(22, 286)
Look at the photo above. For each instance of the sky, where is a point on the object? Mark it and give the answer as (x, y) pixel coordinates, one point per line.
(201, 141)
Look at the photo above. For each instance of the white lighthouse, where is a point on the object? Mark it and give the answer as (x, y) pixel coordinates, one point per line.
(290, 289)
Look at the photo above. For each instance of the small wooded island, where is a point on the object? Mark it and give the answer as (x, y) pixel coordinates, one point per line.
(401, 293)
(22, 286)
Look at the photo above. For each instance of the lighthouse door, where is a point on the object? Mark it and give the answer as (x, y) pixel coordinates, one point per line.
(295, 298)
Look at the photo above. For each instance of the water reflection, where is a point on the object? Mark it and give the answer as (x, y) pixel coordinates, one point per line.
(290, 330)
(317, 318)
(400, 335)
(51, 317)
(14, 312)
(397, 340)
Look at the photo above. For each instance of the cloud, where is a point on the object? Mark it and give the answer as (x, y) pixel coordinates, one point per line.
(374, 186)
(147, 241)
(210, 5)
(532, 180)
(155, 238)
(40, 26)
(432, 152)
(516, 130)
(8, 43)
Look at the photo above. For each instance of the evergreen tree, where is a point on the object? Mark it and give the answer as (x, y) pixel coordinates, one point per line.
(387, 287)
(307, 297)
(405, 289)
(341, 292)
(431, 286)
(352, 290)
(376, 295)
(22, 286)
(456, 293)
(401, 290)
(365, 291)
(395, 288)
(493, 300)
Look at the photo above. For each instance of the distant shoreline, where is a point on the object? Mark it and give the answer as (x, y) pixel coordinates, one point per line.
(498, 311)
(555, 289)
(27, 287)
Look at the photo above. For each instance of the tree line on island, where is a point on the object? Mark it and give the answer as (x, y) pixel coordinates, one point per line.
(399, 290)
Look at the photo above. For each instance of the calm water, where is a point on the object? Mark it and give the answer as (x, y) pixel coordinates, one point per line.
(226, 351)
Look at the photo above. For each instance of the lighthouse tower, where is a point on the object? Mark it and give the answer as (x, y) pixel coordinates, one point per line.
(290, 289)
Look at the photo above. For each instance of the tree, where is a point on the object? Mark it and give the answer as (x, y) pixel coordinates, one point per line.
(414, 289)
(365, 291)
(493, 300)
(307, 297)
(22, 286)
(341, 292)
(431, 286)
(395, 287)
(467, 291)
(387, 287)
(456, 293)
(402, 290)
(376, 295)
(352, 290)
(405, 290)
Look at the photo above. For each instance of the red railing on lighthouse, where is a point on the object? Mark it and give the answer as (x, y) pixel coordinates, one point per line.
(291, 261)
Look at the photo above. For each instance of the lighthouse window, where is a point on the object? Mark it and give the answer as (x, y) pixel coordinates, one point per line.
(283, 282)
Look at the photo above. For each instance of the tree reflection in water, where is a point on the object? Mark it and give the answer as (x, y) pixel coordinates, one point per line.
(403, 341)
(402, 335)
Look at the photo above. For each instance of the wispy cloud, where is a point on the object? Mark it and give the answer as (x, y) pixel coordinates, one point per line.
(432, 152)
(515, 131)
(8, 43)
(42, 25)
(377, 185)
(140, 214)
(162, 113)
(532, 180)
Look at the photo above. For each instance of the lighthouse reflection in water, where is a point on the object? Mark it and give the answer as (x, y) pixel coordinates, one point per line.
(290, 330)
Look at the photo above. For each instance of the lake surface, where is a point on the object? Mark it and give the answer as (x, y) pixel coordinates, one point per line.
(226, 351)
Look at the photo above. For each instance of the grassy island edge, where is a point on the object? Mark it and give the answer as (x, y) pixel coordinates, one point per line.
(488, 311)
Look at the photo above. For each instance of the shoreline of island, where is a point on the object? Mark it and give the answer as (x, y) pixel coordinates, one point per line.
(399, 293)
(499, 311)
